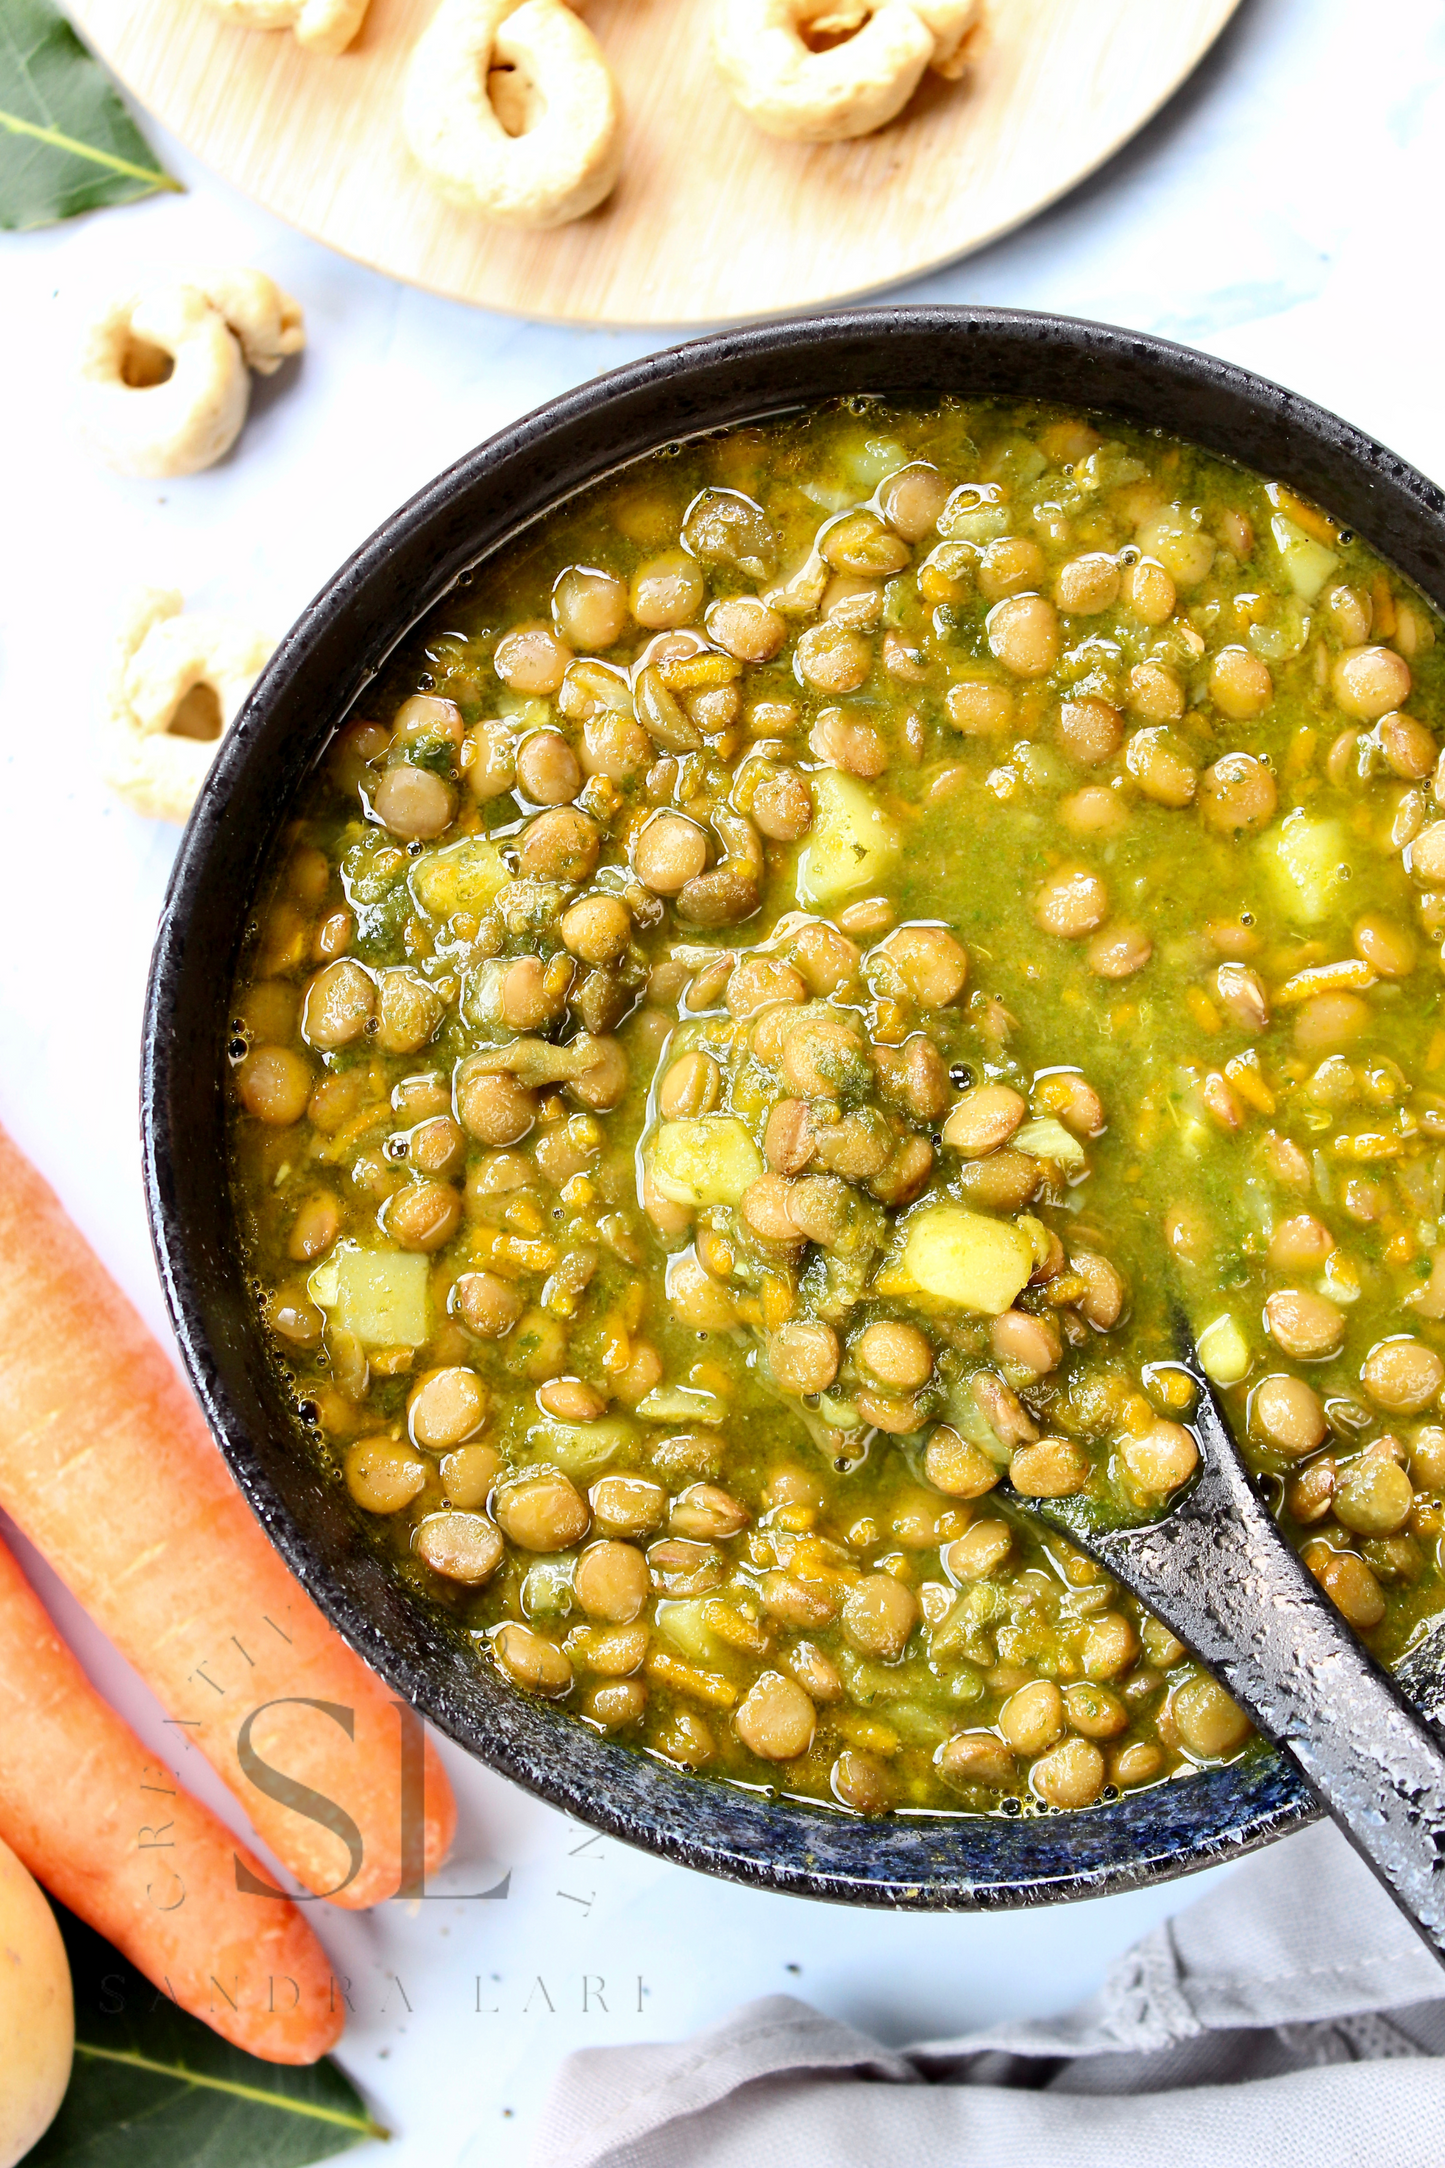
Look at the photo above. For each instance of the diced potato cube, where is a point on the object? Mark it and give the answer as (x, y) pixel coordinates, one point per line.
(1224, 1352)
(579, 1449)
(547, 1589)
(966, 518)
(466, 876)
(1048, 1139)
(1017, 461)
(322, 1285)
(1307, 563)
(687, 1629)
(838, 1414)
(708, 1161)
(682, 1404)
(1110, 467)
(967, 1259)
(968, 1418)
(1306, 861)
(381, 1296)
(1429, 1300)
(869, 459)
(850, 843)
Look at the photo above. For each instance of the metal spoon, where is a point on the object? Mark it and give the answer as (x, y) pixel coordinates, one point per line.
(1217, 1571)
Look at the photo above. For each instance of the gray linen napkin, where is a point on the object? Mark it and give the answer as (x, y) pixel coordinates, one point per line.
(1289, 2019)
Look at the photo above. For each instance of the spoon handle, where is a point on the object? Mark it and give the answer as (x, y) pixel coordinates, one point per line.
(1221, 1576)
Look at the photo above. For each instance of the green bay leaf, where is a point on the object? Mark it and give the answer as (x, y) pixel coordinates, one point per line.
(155, 2088)
(67, 144)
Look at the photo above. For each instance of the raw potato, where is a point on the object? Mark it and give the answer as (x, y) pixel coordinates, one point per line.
(322, 26)
(37, 2015)
(712, 1160)
(850, 844)
(966, 1259)
(511, 111)
(821, 97)
(209, 332)
(164, 655)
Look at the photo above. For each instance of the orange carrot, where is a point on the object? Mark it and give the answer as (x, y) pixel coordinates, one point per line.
(107, 1466)
(110, 1833)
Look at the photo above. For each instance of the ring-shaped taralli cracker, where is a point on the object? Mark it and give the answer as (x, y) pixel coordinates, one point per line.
(163, 653)
(845, 90)
(483, 66)
(322, 26)
(164, 375)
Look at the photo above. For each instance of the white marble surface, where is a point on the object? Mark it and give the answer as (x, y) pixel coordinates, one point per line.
(1281, 213)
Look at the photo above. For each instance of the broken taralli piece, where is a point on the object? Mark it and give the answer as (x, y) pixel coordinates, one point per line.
(165, 374)
(810, 96)
(268, 323)
(322, 26)
(177, 683)
(511, 111)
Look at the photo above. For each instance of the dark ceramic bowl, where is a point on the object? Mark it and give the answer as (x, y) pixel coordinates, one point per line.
(321, 668)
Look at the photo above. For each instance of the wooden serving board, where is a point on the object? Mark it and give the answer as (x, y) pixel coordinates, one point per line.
(711, 219)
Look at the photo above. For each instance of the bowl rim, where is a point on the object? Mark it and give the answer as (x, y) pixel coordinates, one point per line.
(782, 1846)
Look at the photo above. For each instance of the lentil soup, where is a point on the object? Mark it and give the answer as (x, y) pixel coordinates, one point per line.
(808, 955)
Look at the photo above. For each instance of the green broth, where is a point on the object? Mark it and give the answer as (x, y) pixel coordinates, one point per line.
(726, 1101)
